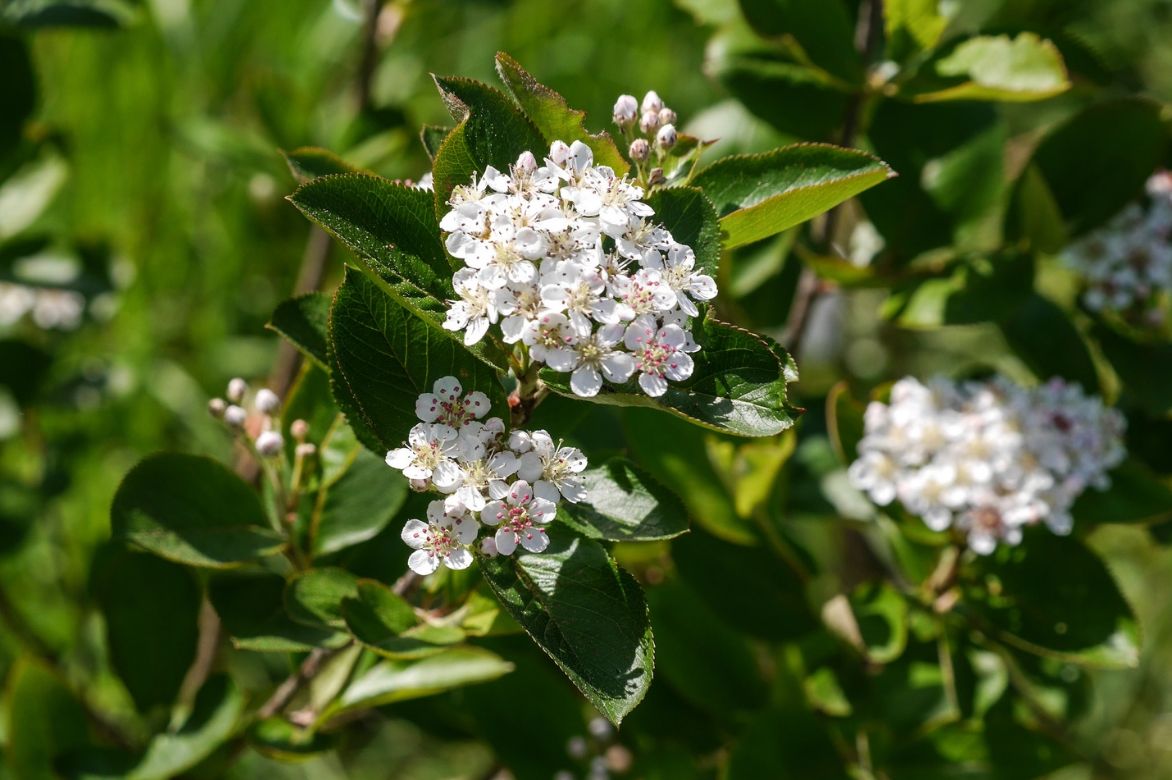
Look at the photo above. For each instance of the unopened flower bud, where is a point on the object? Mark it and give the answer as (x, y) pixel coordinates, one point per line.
(267, 401)
(656, 176)
(577, 748)
(651, 102)
(526, 162)
(237, 387)
(235, 416)
(269, 443)
(418, 485)
(600, 729)
(640, 150)
(626, 108)
(488, 547)
(305, 449)
(216, 407)
(559, 152)
(649, 122)
(667, 117)
(299, 429)
(666, 137)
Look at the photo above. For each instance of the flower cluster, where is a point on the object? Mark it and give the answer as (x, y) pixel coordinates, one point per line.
(987, 458)
(49, 308)
(1127, 264)
(510, 481)
(255, 416)
(562, 256)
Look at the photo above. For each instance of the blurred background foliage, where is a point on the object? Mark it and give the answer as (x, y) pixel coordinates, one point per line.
(142, 198)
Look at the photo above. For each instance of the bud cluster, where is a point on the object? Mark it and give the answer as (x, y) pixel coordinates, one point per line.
(651, 118)
(254, 415)
(987, 458)
(510, 481)
(564, 258)
(1127, 265)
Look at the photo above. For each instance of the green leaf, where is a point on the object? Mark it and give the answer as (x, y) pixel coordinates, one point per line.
(691, 218)
(586, 613)
(824, 31)
(279, 739)
(151, 609)
(792, 737)
(1144, 368)
(706, 662)
(1044, 338)
(65, 14)
(981, 289)
(1080, 616)
(995, 68)
(721, 573)
(252, 609)
(303, 321)
(623, 504)
(1136, 495)
(881, 613)
(760, 195)
(44, 720)
(314, 597)
(357, 505)
(391, 681)
(1117, 144)
(19, 100)
(556, 121)
(387, 624)
(432, 137)
(193, 511)
(309, 162)
(844, 422)
(738, 385)
(218, 708)
(384, 357)
(396, 238)
(912, 26)
(492, 130)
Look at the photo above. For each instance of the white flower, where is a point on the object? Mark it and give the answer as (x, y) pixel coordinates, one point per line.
(598, 357)
(429, 455)
(439, 540)
(658, 354)
(551, 339)
(521, 518)
(475, 311)
(678, 272)
(553, 470)
(484, 478)
(444, 404)
(643, 293)
(578, 293)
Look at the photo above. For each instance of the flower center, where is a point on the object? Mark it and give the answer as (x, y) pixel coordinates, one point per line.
(428, 455)
(654, 356)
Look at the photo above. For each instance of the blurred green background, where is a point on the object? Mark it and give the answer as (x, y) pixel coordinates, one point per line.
(147, 176)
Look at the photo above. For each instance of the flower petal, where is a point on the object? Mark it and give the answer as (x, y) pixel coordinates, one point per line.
(415, 534)
(423, 562)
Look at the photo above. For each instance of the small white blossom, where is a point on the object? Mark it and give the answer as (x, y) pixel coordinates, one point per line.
(437, 541)
(553, 470)
(430, 455)
(658, 354)
(521, 519)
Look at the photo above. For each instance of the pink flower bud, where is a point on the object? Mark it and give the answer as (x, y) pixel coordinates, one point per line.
(269, 443)
(652, 102)
(237, 387)
(626, 108)
(640, 149)
(649, 122)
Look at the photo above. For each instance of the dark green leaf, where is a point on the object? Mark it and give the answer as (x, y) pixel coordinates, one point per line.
(760, 195)
(738, 385)
(20, 90)
(844, 422)
(492, 130)
(586, 613)
(66, 13)
(151, 608)
(1043, 337)
(556, 121)
(691, 218)
(252, 609)
(279, 739)
(303, 320)
(309, 162)
(1116, 145)
(359, 504)
(1136, 495)
(824, 31)
(623, 504)
(44, 720)
(1080, 616)
(386, 623)
(384, 357)
(984, 289)
(218, 708)
(793, 738)
(432, 136)
(191, 510)
(314, 597)
(390, 680)
(881, 613)
(1144, 368)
